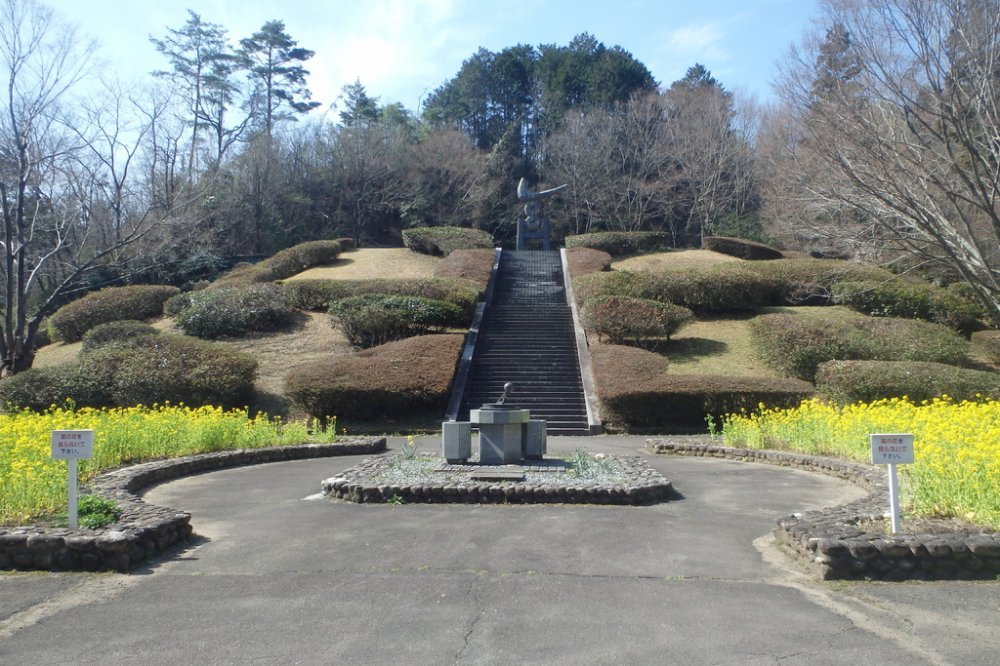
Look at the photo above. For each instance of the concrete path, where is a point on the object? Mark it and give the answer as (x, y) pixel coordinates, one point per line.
(283, 578)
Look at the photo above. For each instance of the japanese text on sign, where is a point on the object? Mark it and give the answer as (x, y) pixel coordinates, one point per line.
(892, 449)
(68, 444)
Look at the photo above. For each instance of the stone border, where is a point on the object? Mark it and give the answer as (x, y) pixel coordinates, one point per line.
(647, 486)
(144, 530)
(830, 540)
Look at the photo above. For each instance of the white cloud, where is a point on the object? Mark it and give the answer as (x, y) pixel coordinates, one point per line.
(704, 41)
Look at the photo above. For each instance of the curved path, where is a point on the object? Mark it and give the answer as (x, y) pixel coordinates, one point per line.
(282, 578)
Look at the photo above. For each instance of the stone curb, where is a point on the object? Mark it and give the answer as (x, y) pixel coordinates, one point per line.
(645, 486)
(144, 530)
(830, 542)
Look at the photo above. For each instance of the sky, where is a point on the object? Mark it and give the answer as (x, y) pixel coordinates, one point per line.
(402, 50)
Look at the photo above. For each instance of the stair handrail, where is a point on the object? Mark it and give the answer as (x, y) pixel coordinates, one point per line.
(471, 339)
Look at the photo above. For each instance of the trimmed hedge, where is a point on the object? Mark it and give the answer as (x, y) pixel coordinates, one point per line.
(988, 343)
(475, 265)
(622, 243)
(583, 260)
(115, 330)
(394, 380)
(739, 247)
(445, 240)
(318, 295)
(374, 319)
(724, 288)
(141, 370)
(911, 301)
(638, 321)
(863, 381)
(811, 281)
(282, 265)
(236, 311)
(796, 345)
(637, 394)
(72, 320)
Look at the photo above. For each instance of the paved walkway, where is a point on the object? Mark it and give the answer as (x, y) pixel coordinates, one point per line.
(283, 578)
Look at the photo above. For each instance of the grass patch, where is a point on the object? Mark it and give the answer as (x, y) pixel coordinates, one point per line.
(715, 347)
(368, 263)
(662, 261)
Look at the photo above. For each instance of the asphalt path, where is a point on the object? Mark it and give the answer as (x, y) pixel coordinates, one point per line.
(280, 576)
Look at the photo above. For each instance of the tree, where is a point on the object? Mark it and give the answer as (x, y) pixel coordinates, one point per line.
(360, 110)
(907, 146)
(275, 64)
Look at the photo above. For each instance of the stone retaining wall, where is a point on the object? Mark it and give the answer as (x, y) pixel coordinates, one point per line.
(830, 540)
(144, 530)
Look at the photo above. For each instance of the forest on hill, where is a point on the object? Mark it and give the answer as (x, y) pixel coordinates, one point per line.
(883, 145)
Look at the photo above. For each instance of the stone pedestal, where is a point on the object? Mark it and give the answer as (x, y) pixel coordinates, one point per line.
(500, 440)
(533, 439)
(456, 441)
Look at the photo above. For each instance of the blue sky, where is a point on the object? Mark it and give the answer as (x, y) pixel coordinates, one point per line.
(403, 49)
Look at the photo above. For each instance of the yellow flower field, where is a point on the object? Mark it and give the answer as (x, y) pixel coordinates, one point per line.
(956, 447)
(32, 484)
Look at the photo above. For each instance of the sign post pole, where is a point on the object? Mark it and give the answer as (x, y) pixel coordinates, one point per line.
(70, 445)
(892, 450)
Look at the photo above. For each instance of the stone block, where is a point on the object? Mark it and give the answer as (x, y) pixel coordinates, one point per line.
(534, 440)
(456, 441)
(499, 444)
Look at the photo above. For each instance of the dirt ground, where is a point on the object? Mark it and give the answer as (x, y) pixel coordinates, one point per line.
(365, 263)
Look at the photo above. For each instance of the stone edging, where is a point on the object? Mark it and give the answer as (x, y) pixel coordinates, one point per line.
(645, 486)
(830, 541)
(144, 530)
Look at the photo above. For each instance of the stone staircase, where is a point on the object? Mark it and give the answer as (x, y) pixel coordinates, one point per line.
(527, 337)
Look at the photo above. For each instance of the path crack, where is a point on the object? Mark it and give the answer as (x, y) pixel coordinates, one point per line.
(470, 592)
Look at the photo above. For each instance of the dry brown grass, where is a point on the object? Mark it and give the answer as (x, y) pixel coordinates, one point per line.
(659, 261)
(380, 262)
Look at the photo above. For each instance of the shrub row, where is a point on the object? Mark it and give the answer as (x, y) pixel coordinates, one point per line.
(236, 311)
(811, 281)
(637, 393)
(282, 265)
(115, 330)
(795, 345)
(475, 265)
(393, 380)
(583, 260)
(739, 247)
(318, 295)
(864, 381)
(622, 243)
(637, 321)
(445, 240)
(72, 320)
(140, 370)
(912, 301)
(374, 319)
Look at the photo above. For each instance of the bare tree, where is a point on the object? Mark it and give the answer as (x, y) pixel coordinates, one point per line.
(910, 142)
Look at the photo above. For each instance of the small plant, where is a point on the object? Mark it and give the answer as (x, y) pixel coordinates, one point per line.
(713, 428)
(92, 512)
(409, 449)
(587, 466)
(396, 500)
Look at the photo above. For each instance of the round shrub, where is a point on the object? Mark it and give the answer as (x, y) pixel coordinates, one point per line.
(115, 330)
(864, 381)
(236, 311)
(314, 295)
(37, 388)
(282, 265)
(374, 319)
(739, 247)
(320, 294)
(911, 301)
(811, 281)
(897, 339)
(637, 321)
(445, 240)
(177, 303)
(622, 243)
(74, 319)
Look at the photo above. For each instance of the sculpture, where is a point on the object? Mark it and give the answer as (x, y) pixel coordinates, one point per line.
(533, 224)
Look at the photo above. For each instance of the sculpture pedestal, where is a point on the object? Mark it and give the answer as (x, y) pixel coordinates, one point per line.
(500, 433)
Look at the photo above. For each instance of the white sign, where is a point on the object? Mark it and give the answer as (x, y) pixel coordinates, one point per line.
(72, 444)
(892, 449)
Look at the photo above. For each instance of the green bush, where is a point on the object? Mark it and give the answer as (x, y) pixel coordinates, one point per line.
(796, 345)
(74, 319)
(724, 288)
(445, 240)
(282, 265)
(622, 243)
(139, 371)
(637, 394)
(94, 512)
(811, 281)
(911, 301)
(115, 330)
(236, 311)
(863, 381)
(988, 344)
(738, 247)
(637, 321)
(318, 295)
(399, 379)
(177, 303)
(374, 319)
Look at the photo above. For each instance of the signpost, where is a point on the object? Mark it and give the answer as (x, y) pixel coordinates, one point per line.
(892, 450)
(71, 445)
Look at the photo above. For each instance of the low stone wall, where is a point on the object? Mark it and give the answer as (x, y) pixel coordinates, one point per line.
(830, 541)
(144, 530)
